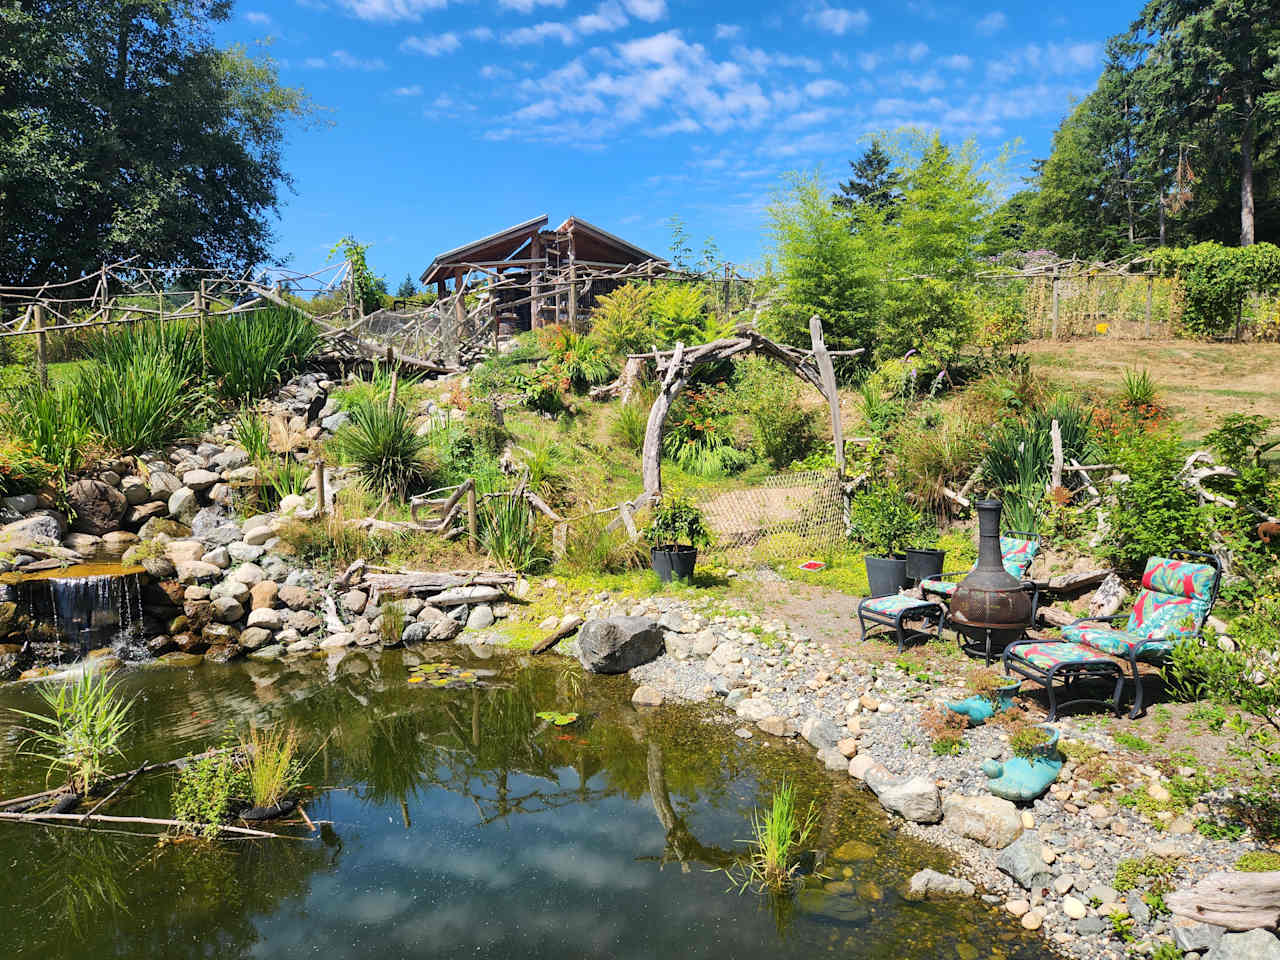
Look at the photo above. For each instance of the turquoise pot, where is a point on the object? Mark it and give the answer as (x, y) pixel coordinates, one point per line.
(1023, 779)
(981, 709)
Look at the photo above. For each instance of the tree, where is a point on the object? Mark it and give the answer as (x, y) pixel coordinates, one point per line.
(124, 130)
(1211, 71)
(407, 288)
(874, 182)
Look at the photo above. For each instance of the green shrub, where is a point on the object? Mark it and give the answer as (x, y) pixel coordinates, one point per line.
(385, 449)
(677, 520)
(1259, 861)
(1154, 513)
(576, 359)
(937, 456)
(592, 548)
(1137, 389)
(784, 431)
(143, 402)
(50, 422)
(249, 353)
(629, 423)
(622, 321)
(203, 791)
(250, 432)
(540, 389)
(883, 520)
(1215, 280)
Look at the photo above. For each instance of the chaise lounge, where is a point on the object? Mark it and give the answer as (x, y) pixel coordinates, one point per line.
(1176, 597)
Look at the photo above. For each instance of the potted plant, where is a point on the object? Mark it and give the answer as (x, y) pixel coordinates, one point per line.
(675, 533)
(991, 693)
(884, 520)
(1035, 764)
(924, 563)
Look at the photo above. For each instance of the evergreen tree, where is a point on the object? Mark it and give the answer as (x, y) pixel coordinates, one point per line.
(874, 182)
(407, 288)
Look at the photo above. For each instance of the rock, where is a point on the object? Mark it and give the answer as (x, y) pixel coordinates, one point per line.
(1235, 900)
(618, 644)
(727, 652)
(821, 734)
(183, 505)
(1190, 935)
(38, 526)
(755, 709)
(252, 638)
(1256, 944)
(263, 594)
(460, 595)
(294, 597)
(22, 503)
(98, 507)
(481, 616)
(232, 458)
(82, 543)
(1181, 826)
(258, 535)
(191, 571)
(993, 822)
(265, 617)
(245, 476)
(226, 610)
(848, 747)
(833, 759)
(912, 798)
(162, 526)
(1021, 860)
(1032, 920)
(337, 641)
(930, 883)
(199, 480)
(220, 633)
(248, 574)
(1073, 908)
(861, 764)
(777, 726)
(273, 651)
(869, 703)
(181, 551)
(1062, 884)
(218, 556)
(163, 484)
(703, 644)
(177, 658)
(647, 696)
(223, 652)
(1018, 908)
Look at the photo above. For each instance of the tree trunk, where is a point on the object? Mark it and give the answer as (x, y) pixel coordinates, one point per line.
(1246, 183)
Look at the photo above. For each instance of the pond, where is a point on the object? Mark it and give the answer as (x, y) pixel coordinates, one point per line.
(460, 824)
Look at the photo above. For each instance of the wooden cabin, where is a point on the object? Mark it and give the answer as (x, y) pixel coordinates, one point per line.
(538, 276)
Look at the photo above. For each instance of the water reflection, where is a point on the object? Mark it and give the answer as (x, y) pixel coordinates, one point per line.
(463, 824)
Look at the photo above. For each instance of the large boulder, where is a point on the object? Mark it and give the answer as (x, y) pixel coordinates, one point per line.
(37, 534)
(1023, 860)
(912, 798)
(618, 644)
(1253, 945)
(993, 822)
(98, 508)
(930, 883)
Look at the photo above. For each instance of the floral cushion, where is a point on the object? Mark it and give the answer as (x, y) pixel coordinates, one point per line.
(1018, 554)
(944, 587)
(1050, 654)
(1174, 599)
(1116, 643)
(893, 604)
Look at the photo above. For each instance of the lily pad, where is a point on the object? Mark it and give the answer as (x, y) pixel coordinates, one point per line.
(442, 675)
(557, 718)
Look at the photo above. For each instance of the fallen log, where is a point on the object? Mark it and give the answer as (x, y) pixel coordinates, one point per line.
(1237, 901)
(421, 582)
(550, 640)
(149, 821)
(1072, 582)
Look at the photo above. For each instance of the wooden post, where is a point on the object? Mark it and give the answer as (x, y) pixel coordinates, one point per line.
(493, 306)
(827, 372)
(473, 532)
(42, 345)
(726, 289)
(395, 378)
(1053, 328)
(201, 311)
(536, 253)
(322, 507)
(1150, 283)
(573, 296)
(451, 328)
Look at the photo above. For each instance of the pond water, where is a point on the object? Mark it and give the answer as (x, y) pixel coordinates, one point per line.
(461, 825)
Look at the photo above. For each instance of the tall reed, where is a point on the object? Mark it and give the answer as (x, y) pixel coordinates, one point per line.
(249, 353)
(777, 833)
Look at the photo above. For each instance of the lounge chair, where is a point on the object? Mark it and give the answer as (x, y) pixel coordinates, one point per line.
(1176, 597)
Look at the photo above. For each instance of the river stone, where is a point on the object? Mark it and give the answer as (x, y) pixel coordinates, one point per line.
(618, 644)
(860, 765)
(1253, 945)
(98, 507)
(231, 588)
(177, 658)
(930, 883)
(218, 556)
(272, 651)
(183, 551)
(777, 726)
(248, 574)
(229, 461)
(37, 526)
(912, 798)
(1189, 935)
(183, 505)
(82, 543)
(220, 633)
(138, 516)
(22, 503)
(199, 480)
(337, 641)
(163, 484)
(223, 652)
(1074, 908)
(266, 617)
(191, 571)
(264, 594)
(291, 503)
(295, 597)
(1022, 861)
(647, 696)
(821, 733)
(135, 491)
(833, 759)
(481, 616)
(992, 821)
(258, 535)
(158, 526)
(227, 610)
(242, 552)
(755, 709)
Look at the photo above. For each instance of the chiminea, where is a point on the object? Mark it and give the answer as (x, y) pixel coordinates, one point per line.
(990, 607)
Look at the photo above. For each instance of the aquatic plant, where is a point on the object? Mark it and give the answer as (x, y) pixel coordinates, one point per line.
(777, 833)
(86, 723)
(272, 768)
(203, 791)
(391, 624)
(381, 443)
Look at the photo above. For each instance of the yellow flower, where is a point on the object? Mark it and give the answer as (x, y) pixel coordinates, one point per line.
(1103, 327)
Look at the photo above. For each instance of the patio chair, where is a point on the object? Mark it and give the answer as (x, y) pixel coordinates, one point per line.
(1176, 597)
(898, 609)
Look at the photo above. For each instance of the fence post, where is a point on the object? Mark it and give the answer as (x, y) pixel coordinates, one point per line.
(321, 498)
(473, 537)
(1053, 329)
(42, 346)
(573, 296)
(1150, 283)
(726, 289)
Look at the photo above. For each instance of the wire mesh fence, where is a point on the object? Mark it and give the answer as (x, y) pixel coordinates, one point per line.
(787, 516)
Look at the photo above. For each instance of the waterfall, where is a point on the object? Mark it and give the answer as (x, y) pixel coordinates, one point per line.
(88, 608)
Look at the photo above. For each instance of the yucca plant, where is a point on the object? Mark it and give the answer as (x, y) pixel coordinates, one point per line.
(249, 353)
(777, 833)
(272, 767)
(1137, 389)
(384, 447)
(281, 477)
(173, 343)
(86, 723)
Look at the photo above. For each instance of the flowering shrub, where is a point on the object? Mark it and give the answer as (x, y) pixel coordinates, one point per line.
(21, 471)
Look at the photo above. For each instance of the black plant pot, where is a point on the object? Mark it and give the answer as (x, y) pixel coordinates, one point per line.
(278, 809)
(924, 564)
(674, 561)
(887, 575)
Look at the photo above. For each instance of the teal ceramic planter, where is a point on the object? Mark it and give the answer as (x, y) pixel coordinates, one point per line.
(1021, 779)
(981, 709)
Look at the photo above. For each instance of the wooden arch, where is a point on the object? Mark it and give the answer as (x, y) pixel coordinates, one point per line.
(674, 367)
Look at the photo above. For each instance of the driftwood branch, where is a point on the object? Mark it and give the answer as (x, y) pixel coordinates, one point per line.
(564, 630)
(1237, 901)
(149, 821)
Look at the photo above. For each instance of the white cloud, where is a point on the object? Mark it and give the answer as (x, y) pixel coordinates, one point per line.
(607, 17)
(727, 31)
(760, 60)
(349, 61)
(957, 61)
(537, 34)
(391, 10)
(315, 63)
(413, 90)
(683, 125)
(914, 52)
(992, 23)
(480, 33)
(431, 44)
(817, 89)
(838, 20)
(527, 6)
(650, 11)
(258, 18)
(868, 61)
(1059, 59)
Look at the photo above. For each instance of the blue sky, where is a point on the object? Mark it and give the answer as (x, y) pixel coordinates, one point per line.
(450, 119)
